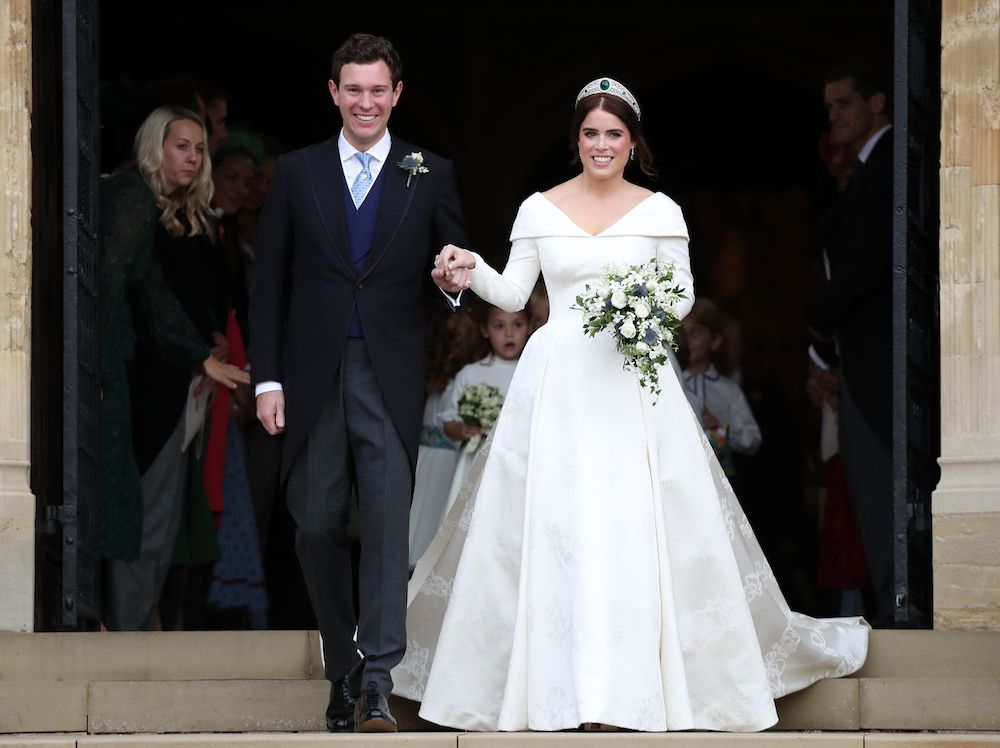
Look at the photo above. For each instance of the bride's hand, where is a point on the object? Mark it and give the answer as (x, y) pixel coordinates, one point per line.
(452, 268)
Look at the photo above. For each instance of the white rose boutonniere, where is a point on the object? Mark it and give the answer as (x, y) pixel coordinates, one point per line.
(414, 164)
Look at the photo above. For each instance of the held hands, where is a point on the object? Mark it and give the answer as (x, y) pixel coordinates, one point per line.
(271, 411)
(453, 269)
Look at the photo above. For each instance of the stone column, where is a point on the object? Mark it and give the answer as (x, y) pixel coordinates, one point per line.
(17, 504)
(967, 501)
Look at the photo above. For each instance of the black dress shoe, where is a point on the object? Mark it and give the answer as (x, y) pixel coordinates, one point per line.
(371, 714)
(340, 711)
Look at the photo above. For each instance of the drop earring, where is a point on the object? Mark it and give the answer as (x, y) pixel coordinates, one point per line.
(631, 154)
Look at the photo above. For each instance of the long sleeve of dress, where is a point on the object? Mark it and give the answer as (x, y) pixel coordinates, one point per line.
(511, 289)
(674, 250)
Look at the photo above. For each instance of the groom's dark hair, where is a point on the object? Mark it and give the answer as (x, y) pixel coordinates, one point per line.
(363, 49)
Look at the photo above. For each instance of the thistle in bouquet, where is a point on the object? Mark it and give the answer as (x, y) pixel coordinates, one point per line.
(479, 405)
(637, 305)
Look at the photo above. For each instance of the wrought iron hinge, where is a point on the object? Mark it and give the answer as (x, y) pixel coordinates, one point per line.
(61, 513)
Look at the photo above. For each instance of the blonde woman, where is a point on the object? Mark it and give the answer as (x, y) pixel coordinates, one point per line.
(165, 195)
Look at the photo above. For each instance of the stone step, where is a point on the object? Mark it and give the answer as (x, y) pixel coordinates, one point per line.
(249, 682)
(932, 654)
(174, 655)
(273, 655)
(515, 740)
(229, 706)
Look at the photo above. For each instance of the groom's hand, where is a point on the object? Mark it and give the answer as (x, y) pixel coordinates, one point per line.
(452, 269)
(271, 411)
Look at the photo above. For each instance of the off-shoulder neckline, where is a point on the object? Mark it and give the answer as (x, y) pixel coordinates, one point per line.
(607, 228)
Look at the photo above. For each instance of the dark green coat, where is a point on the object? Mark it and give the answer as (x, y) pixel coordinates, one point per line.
(130, 278)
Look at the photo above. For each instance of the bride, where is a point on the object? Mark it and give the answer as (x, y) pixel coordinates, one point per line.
(597, 566)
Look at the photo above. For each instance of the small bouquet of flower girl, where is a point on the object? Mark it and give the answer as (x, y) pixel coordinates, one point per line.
(479, 404)
(637, 305)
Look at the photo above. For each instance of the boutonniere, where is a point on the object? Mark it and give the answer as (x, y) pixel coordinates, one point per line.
(414, 164)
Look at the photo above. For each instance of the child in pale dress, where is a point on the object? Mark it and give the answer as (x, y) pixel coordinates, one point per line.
(506, 332)
(453, 340)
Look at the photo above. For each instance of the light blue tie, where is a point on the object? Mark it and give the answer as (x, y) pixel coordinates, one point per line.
(363, 181)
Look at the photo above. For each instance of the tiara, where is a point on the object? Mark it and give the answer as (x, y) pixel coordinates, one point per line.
(612, 87)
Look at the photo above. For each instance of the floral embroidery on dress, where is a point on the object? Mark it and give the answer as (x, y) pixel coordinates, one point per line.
(710, 623)
(560, 543)
(551, 710)
(416, 662)
(754, 583)
(437, 586)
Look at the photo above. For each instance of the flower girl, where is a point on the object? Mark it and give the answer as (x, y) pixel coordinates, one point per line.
(472, 400)
(453, 340)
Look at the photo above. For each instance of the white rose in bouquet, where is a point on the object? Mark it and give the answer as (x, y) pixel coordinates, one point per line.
(637, 305)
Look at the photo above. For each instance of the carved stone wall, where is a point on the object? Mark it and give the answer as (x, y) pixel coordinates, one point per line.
(17, 504)
(967, 501)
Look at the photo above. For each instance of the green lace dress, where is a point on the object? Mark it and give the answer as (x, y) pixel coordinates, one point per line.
(130, 279)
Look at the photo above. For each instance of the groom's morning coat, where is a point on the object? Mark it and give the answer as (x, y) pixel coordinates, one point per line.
(306, 286)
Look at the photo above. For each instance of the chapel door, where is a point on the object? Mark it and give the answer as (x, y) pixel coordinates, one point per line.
(916, 323)
(65, 396)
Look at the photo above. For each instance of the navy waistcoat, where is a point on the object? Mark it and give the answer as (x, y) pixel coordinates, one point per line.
(361, 224)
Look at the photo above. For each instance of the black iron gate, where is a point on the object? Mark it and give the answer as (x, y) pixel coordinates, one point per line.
(80, 124)
(916, 325)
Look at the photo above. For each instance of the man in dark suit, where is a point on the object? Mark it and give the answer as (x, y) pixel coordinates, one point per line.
(344, 252)
(853, 308)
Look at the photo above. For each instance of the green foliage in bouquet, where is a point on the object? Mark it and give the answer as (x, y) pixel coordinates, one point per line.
(637, 305)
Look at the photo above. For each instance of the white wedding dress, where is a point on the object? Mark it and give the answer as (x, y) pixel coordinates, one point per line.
(596, 566)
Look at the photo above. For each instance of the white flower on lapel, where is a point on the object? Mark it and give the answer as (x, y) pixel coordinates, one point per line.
(414, 164)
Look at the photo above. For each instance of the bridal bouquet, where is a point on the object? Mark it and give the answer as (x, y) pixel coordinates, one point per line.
(636, 304)
(479, 404)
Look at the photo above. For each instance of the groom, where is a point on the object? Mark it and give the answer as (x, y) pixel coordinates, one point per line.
(344, 249)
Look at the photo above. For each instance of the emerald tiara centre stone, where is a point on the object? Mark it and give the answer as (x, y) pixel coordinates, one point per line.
(611, 87)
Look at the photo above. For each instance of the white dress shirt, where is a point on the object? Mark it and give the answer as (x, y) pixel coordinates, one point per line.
(866, 149)
(352, 166)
